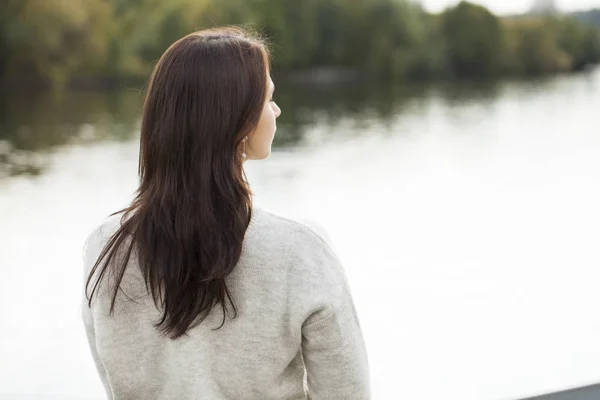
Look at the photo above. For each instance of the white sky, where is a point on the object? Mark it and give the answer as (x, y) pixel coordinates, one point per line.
(512, 6)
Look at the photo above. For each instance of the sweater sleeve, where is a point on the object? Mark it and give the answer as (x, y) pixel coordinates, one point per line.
(332, 342)
(89, 258)
(91, 336)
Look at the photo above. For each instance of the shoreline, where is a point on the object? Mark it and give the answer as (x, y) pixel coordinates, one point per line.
(329, 76)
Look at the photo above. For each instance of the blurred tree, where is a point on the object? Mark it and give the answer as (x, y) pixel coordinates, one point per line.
(474, 39)
(591, 45)
(57, 40)
(51, 39)
(430, 58)
(147, 27)
(570, 37)
(292, 26)
(538, 51)
(384, 37)
(332, 31)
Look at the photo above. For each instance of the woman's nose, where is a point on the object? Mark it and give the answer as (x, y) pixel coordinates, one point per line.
(277, 110)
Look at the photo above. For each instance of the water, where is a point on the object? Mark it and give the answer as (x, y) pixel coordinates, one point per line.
(466, 216)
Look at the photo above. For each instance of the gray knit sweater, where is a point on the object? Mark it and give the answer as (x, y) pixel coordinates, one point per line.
(296, 335)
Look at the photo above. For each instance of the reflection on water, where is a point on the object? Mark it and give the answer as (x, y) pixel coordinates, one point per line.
(466, 216)
(31, 126)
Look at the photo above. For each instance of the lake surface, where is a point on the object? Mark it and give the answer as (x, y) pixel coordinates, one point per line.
(467, 217)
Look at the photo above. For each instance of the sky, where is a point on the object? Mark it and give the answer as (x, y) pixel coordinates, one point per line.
(513, 6)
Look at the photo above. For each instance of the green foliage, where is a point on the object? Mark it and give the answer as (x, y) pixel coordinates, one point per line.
(570, 37)
(535, 49)
(591, 45)
(542, 45)
(55, 41)
(475, 40)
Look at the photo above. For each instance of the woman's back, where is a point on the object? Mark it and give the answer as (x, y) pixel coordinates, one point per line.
(295, 315)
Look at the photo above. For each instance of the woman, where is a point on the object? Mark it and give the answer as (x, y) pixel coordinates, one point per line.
(191, 293)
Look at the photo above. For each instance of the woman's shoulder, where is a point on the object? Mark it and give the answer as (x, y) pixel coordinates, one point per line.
(101, 233)
(290, 237)
(301, 245)
(293, 227)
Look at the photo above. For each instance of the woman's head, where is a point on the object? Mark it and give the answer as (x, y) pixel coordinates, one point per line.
(209, 92)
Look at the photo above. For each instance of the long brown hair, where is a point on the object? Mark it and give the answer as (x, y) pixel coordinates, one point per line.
(187, 221)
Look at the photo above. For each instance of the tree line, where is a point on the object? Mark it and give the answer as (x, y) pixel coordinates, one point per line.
(54, 43)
